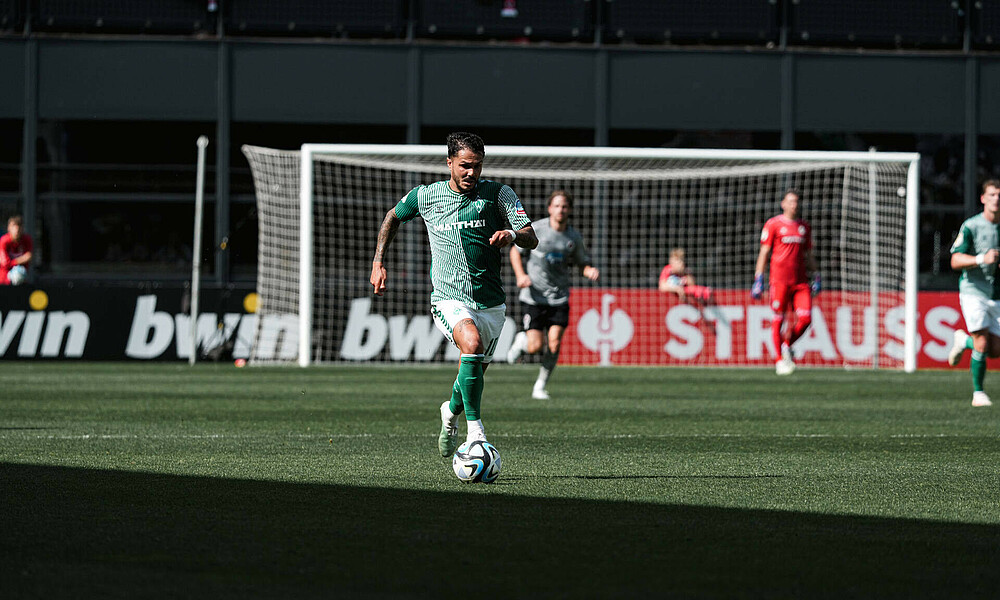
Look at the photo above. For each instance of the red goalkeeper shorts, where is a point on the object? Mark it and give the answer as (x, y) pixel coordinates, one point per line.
(798, 296)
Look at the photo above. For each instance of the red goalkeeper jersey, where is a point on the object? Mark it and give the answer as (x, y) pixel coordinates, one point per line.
(789, 241)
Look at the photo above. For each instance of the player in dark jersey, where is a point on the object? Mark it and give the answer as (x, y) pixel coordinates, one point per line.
(543, 274)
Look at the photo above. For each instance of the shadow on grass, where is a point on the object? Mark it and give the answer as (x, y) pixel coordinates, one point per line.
(77, 533)
(667, 476)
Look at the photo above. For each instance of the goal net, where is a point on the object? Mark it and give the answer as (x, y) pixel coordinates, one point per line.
(320, 210)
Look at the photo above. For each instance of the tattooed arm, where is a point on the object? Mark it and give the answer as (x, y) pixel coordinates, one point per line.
(386, 233)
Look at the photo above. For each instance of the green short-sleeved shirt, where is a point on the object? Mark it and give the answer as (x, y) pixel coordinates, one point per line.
(464, 266)
(977, 235)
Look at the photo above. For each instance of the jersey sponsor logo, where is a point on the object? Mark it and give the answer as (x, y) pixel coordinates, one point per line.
(554, 258)
(475, 223)
(792, 239)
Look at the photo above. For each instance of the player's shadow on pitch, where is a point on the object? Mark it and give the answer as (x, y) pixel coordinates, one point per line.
(665, 476)
(515, 479)
(84, 533)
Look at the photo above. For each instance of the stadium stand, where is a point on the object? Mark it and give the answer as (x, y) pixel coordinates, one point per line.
(877, 23)
(343, 18)
(704, 21)
(10, 15)
(554, 20)
(162, 16)
(985, 23)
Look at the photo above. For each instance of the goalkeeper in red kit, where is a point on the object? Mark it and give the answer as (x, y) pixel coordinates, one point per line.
(787, 240)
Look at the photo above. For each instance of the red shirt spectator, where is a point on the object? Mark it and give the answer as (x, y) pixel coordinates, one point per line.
(15, 249)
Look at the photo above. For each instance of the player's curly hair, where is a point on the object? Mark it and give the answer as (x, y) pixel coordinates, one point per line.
(459, 140)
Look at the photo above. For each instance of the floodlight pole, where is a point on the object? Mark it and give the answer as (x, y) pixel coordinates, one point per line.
(199, 202)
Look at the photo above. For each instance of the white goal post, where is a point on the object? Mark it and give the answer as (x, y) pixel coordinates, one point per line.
(320, 209)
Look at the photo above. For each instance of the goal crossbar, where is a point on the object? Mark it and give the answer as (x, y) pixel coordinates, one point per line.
(620, 152)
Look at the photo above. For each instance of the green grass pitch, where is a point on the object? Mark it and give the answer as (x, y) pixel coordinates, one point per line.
(163, 481)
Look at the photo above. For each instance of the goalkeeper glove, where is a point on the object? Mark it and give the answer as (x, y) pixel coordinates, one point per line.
(758, 287)
(815, 285)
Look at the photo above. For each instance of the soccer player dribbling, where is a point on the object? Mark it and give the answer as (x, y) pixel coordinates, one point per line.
(466, 220)
(787, 240)
(975, 254)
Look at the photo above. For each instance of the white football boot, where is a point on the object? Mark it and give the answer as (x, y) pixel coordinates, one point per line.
(785, 366)
(538, 392)
(517, 347)
(981, 399)
(957, 347)
(448, 438)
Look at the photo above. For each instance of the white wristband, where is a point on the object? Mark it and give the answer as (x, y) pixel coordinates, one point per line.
(513, 235)
(980, 258)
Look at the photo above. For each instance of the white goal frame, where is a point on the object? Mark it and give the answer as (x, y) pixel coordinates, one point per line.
(912, 204)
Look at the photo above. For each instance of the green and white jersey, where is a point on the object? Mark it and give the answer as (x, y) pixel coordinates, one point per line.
(977, 235)
(464, 266)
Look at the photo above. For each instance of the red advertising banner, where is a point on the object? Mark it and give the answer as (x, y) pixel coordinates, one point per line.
(645, 327)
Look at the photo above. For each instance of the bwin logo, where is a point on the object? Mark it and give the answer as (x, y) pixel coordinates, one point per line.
(58, 327)
(605, 332)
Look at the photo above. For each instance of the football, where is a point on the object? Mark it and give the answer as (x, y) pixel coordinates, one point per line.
(477, 462)
(16, 275)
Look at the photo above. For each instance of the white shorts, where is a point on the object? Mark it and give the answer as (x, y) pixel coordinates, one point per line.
(489, 322)
(980, 313)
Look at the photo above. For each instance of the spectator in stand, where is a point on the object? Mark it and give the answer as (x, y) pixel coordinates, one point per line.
(15, 252)
(675, 278)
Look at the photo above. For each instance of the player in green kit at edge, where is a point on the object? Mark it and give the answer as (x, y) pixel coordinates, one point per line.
(466, 220)
(975, 254)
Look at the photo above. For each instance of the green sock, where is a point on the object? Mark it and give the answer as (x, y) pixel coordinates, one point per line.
(968, 343)
(470, 384)
(456, 403)
(978, 368)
